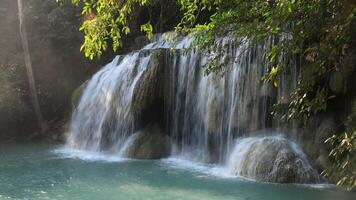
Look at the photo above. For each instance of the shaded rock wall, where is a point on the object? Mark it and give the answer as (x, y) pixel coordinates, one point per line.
(58, 65)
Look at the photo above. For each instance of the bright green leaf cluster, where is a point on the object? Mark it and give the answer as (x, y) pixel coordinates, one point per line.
(106, 22)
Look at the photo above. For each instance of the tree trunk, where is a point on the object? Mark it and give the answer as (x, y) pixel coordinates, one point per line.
(31, 81)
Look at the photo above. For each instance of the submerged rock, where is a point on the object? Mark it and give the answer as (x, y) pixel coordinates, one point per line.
(148, 143)
(271, 159)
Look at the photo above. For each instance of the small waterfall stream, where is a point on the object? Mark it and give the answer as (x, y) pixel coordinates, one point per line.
(203, 115)
(103, 120)
(207, 112)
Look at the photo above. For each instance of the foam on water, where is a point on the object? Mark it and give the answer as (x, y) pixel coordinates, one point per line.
(211, 170)
(67, 152)
(221, 171)
(205, 170)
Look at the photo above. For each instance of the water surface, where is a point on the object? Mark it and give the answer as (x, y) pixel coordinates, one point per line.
(39, 171)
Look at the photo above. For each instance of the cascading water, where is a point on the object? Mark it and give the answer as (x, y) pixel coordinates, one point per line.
(103, 120)
(207, 112)
(203, 114)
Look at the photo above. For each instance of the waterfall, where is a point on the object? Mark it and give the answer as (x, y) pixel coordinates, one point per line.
(202, 114)
(103, 120)
(207, 112)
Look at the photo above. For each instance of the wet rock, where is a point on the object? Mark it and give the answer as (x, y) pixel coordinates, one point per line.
(77, 95)
(313, 139)
(58, 129)
(214, 106)
(148, 143)
(148, 86)
(271, 159)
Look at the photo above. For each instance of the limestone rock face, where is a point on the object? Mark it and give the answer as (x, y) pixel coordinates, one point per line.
(58, 65)
(271, 159)
(147, 87)
(77, 95)
(214, 106)
(312, 139)
(338, 82)
(148, 143)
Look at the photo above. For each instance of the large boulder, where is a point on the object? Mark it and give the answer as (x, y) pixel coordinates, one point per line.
(148, 143)
(271, 159)
(312, 137)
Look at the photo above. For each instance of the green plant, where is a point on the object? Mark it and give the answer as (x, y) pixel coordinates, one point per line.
(344, 159)
(343, 154)
(106, 22)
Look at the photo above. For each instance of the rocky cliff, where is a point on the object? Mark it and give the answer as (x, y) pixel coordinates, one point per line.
(59, 66)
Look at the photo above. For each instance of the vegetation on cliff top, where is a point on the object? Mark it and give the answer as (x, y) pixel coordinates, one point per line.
(320, 33)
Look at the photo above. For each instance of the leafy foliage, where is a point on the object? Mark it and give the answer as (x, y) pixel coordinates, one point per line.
(318, 31)
(106, 22)
(344, 154)
(344, 158)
